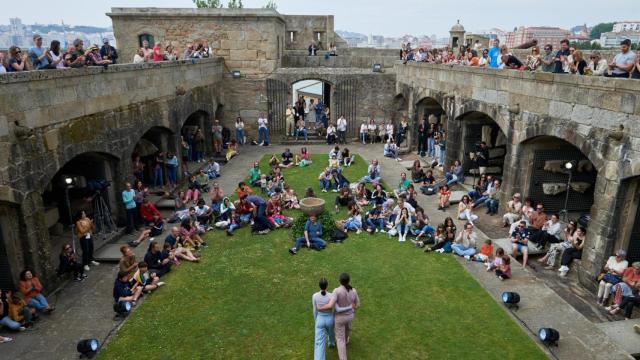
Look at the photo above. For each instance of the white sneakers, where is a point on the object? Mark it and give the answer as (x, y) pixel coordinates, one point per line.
(86, 268)
(95, 263)
(402, 238)
(160, 284)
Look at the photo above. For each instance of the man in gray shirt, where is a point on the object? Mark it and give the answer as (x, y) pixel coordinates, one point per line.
(547, 59)
(623, 62)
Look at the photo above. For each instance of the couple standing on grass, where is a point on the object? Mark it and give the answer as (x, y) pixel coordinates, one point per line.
(334, 310)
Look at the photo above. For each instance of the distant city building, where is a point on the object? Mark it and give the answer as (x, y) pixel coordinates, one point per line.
(544, 35)
(19, 34)
(613, 39)
(623, 26)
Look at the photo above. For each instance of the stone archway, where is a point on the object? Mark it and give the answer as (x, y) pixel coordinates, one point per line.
(156, 141)
(90, 190)
(433, 114)
(477, 128)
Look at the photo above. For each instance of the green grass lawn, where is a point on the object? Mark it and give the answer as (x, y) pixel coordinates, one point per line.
(250, 299)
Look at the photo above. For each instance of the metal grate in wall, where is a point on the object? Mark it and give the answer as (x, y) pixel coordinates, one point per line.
(278, 97)
(580, 202)
(6, 280)
(345, 100)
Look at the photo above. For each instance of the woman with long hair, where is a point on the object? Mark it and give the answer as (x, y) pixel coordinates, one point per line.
(464, 210)
(323, 320)
(343, 297)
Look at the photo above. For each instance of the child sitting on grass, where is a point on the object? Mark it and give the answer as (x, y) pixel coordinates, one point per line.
(263, 183)
(504, 271)
(485, 254)
(290, 199)
(497, 260)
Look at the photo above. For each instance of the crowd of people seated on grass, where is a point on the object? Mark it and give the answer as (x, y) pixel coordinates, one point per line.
(565, 60)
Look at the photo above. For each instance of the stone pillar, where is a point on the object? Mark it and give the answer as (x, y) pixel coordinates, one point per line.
(412, 113)
(454, 143)
(36, 246)
(513, 171)
(602, 231)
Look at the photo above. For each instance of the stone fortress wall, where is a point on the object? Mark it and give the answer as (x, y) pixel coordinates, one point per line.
(106, 112)
(598, 116)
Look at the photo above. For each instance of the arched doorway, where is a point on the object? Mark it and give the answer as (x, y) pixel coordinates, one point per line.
(312, 102)
(82, 184)
(478, 128)
(545, 176)
(197, 121)
(155, 143)
(429, 110)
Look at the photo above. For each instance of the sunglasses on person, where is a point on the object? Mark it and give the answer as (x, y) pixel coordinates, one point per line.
(539, 209)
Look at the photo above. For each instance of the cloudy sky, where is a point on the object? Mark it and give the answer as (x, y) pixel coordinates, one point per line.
(390, 18)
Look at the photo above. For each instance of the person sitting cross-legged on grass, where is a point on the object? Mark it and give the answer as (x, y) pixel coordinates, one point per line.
(354, 221)
(325, 180)
(402, 185)
(180, 252)
(465, 244)
(344, 199)
(421, 228)
(403, 224)
(339, 181)
(312, 236)
(123, 291)
(375, 219)
(146, 279)
(158, 262)
(520, 241)
(373, 173)
(254, 175)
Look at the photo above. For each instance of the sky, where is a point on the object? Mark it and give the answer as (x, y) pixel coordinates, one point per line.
(378, 17)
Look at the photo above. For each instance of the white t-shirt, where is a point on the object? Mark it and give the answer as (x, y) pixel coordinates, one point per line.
(2, 69)
(262, 123)
(201, 211)
(617, 266)
(342, 124)
(390, 129)
(240, 125)
(372, 127)
(363, 128)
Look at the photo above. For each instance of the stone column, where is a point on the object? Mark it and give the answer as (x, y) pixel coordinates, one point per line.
(513, 171)
(454, 143)
(602, 231)
(35, 244)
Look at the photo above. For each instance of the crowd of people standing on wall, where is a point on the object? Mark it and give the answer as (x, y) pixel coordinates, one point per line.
(564, 60)
(40, 57)
(78, 55)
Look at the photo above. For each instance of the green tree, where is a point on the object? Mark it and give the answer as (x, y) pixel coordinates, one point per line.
(271, 4)
(235, 4)
(599, 29)
(208, 4)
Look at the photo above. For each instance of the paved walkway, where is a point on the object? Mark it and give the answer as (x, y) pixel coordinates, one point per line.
(84, 310)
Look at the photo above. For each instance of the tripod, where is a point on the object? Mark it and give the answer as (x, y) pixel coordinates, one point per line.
(102, 217)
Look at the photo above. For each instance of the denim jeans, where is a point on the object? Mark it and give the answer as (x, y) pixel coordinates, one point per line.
(263, 135)
(157, 177)
(39, 302)
(474, 195)
(461, 250)
(368, 179)
(342, 137)
(363, 138)
(132, 219)
(377, 223)
(431, 150)
(427, 229)
(233, 227)
(324, 335)
(325, 184)
(352, 224)
(315, 242)
(481, 201)
(245, 217)
(173, 174)
(13, 325)
(451, 178)
(402, 228)
(493, 206)
(442, 151)
(302, 132)
(240, 136)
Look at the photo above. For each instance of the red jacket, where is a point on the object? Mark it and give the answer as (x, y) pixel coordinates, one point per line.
(147, 211)
(30, 288)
